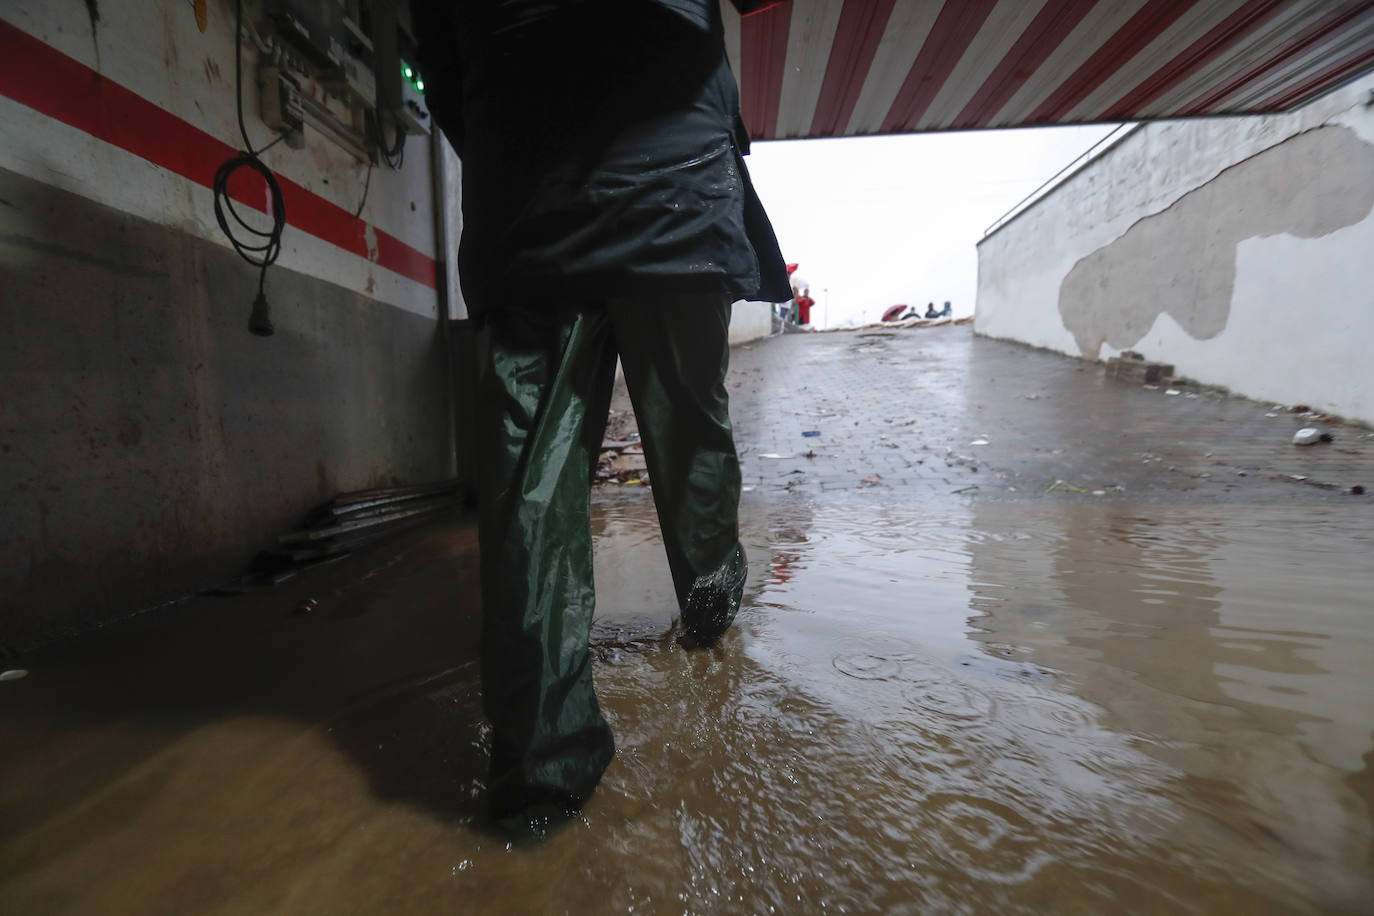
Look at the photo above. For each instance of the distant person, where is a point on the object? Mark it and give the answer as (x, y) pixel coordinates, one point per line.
(930, 310)
(804, 303)
(799, 288)
(946, 311)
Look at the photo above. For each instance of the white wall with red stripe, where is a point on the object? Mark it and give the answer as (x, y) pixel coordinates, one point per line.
(159, 54)
(149, 444)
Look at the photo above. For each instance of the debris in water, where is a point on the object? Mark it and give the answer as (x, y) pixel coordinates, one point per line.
(980, 442)
(1299, 478)
(306, 606)
(13, 674)
(1310, 435)
(629, 463)
(810, 433)
(1357, 490)
(1173, 392)
(966, 489)
(1061, 485)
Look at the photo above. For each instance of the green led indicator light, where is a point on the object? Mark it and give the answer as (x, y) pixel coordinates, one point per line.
(420, 85)
(409, 73)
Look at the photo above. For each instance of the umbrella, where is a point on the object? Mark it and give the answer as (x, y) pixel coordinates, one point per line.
(893, 313)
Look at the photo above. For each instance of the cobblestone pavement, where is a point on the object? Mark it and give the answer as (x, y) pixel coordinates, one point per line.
(940, 411)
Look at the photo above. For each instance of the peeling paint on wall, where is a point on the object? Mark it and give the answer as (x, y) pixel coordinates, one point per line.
(1182, 260)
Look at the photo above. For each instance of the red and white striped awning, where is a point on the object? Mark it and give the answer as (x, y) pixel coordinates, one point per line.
(831, 68)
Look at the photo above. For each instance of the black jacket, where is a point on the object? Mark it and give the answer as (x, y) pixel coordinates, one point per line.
(602, 150)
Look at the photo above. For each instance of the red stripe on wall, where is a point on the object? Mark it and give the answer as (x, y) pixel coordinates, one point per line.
(1141, 29)
(1197, 55)
(1050, 27)
(763, 55)
(40, 77)
(954, 30)
(1300, 44)
(1348, 67)
(857, 34)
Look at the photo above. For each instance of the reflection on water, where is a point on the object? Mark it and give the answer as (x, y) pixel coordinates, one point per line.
(1063, 708)
(980, 708)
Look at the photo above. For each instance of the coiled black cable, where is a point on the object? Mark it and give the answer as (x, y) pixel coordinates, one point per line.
(264, 245)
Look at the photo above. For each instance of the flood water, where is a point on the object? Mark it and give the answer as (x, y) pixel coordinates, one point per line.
(969, 707)
(1083, 708)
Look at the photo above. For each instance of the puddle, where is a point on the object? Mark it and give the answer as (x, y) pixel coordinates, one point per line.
(980, 708)
(1060, 708)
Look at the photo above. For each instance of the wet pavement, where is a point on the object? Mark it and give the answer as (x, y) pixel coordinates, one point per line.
(933, 411)
(961, 681)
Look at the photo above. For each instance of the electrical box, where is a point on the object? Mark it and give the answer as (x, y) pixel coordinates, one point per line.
(337, 66)
(281, 105)
(412, 114)
(314, 28)
(352, 78)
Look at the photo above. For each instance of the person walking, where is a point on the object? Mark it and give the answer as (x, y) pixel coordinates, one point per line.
(607, 212)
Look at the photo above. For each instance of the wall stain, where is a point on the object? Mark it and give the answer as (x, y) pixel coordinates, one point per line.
(93, 11)
(1181, 261)
(130, 430)
(61, 251)
(370, 239)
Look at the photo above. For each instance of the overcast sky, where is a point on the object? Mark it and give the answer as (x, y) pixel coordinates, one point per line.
(883, 220)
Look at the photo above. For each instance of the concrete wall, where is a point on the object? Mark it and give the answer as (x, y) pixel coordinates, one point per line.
(1237, 249)
(750, 321)
(148, 443)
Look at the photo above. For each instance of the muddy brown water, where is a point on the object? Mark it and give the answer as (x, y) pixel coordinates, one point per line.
(958, 708)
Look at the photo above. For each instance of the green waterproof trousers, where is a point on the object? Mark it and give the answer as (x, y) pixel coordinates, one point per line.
(545, 394)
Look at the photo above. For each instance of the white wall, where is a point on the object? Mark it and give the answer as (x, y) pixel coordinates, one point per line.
(750, 321)
(1237, 249)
